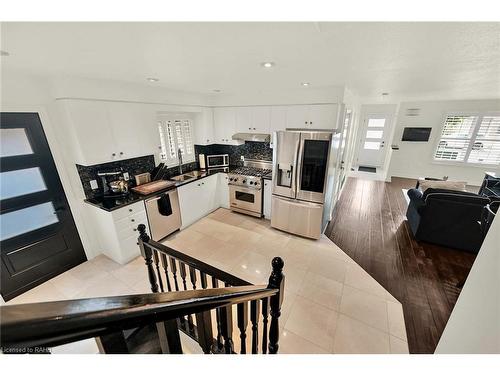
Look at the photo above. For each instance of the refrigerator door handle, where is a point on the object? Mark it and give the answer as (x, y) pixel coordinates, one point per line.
(299, 154)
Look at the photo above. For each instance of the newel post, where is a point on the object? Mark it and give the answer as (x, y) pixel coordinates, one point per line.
(276, 281)
(147, 253)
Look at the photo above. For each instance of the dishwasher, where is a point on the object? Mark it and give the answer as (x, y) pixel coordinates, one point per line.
(164, 214)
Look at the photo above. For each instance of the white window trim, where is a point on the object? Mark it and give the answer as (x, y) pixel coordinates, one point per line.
(186, 159)
(463, 163)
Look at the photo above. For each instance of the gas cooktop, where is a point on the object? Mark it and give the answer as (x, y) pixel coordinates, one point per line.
(251, 171)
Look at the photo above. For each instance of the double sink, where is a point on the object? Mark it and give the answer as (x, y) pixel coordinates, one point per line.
(186, 176)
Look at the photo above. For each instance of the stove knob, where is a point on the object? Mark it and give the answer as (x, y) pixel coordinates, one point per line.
(244, 181)
(256, 182)
(251, 182)
(231, 179)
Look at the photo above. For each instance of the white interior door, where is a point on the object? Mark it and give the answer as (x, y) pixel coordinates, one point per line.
(376, 129)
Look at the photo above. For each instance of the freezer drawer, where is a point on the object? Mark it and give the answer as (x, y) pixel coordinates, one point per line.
(161, 222)
(297, 217)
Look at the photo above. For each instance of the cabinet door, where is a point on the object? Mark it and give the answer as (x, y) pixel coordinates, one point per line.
(261, 117)
(90, 122)
(204, 127)
(297, 116)
(224, 125)
(209, 193)
(190, 202)
(223, 190)
(278, 118)
(267, 198)
(243, 119)
(323, 116)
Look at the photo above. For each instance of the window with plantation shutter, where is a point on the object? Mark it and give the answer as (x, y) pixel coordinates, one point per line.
(473, 139)
(176, 134)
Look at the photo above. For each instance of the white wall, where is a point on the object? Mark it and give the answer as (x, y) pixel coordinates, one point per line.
(474, 324)
(415, 159)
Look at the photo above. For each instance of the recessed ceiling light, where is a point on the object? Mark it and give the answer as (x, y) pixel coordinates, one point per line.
(151, 79)
(4, 53)
(268, 64)
(217, 90)
(305, 83)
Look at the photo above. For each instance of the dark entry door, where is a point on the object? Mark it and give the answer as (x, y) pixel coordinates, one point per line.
(38, 236)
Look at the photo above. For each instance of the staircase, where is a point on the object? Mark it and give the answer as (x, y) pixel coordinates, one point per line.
(216, 310)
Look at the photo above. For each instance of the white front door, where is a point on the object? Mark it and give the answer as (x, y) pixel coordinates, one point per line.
(376, 129)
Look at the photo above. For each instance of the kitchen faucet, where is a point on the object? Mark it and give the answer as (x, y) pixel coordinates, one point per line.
(179, 156)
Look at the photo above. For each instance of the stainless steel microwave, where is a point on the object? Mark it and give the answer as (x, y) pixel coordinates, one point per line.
(217, 161)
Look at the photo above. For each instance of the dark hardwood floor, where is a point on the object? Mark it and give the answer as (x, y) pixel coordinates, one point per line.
(370, 226)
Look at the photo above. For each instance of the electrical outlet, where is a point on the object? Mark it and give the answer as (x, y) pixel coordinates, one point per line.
(126, 176)
(93, 184)
(242, 158)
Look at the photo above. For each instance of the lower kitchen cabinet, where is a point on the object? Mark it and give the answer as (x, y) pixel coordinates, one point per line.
(268, 184)
(197, 199)
(223, 190)
(116, 231)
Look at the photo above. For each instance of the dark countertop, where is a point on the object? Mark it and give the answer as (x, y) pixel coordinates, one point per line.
(114, 203)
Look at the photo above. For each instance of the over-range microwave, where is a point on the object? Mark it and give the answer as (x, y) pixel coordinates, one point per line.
(217, 161)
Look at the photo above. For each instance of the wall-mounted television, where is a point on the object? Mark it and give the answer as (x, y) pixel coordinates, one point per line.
(416, 134)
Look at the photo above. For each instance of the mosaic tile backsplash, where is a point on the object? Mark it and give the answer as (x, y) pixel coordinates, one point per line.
(250, 150)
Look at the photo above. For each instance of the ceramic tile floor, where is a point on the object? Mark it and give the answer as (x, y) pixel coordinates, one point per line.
(331, 304)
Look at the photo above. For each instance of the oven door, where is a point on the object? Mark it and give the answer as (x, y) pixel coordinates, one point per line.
(245, 200)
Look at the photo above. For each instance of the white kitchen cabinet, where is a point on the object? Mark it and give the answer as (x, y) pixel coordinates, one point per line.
(243, 119)
(223, 190)
(277, 121)
(204, 127)
(267, 198)
(313, 116)
(92, 136)
(116, 231)
(261, 118)
(225, 125)
(197, 199)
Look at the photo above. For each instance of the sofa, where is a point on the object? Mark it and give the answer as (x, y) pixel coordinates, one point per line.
(447, 217)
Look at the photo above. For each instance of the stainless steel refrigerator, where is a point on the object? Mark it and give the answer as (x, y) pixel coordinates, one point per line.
(303, 171)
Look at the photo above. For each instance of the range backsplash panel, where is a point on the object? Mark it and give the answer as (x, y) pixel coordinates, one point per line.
(250, 150)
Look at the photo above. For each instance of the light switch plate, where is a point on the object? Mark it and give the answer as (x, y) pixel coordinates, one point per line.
(126, 176)
(93, 185)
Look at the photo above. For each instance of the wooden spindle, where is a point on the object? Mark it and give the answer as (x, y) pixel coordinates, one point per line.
(168, 335)
(242, 311)
(182, 270)
(220, 344)
(192, 277)
(203, 279)
(164, 264)
(204, 327)
(156, 259)
(226, 316)
(276, 281)
(148, 256)
(254, 318)
(173, 269)
(265, 315)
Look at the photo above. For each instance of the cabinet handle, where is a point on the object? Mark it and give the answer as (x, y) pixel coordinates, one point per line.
(199, 185)
(129, 210)
(113, 154)
(203, 183)
(132, 220)
(159, 147)
(310, 122)
(254, 129)
(249, 128)
(135, 229)
(121, 152)
(305, 122)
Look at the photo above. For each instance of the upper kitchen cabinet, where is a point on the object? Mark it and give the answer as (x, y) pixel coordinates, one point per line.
(225, 125)
(313, 116)
(253, 119)
(92, 141)
(204, 127)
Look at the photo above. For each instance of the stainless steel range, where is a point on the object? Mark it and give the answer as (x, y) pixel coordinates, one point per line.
(245, 186)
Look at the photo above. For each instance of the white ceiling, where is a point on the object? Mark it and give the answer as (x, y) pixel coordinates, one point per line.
(445, 60)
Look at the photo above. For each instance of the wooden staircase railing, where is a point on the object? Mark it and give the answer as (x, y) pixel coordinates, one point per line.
(168, 270)
(37, 326)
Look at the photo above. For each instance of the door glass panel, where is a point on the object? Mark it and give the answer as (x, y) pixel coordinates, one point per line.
(372, 146)
(377, 134)
(245, 197)
(314, 165)
(21, 182)
(14, 142)
(376, 122)
(26, 220)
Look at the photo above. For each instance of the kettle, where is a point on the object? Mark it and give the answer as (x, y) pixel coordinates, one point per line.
(119, 186)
